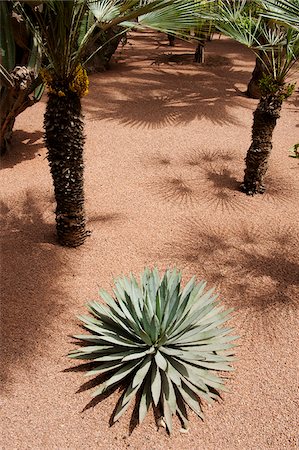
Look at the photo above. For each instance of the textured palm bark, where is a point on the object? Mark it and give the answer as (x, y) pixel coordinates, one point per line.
(14, 99)
(101, 59)
(65, 140)
(199, 55)
(253, 88)
(6, 135)
(264, 121)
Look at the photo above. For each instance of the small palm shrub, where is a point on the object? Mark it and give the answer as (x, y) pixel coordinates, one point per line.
(294, 151)
(163, 342)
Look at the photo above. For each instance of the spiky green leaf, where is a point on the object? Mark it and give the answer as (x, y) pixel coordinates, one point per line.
(166, 342)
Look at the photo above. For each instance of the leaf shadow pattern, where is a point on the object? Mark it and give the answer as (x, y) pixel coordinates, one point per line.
(209, 178)
(156, 159)
(174, 58)
(256, 269)
(25, 146)
(222, 190)
(278, 189)
(161, 99)
(219, 169)
(30, 267)
(118, 390)
(207, 156)
(168, 96)
(174, 189)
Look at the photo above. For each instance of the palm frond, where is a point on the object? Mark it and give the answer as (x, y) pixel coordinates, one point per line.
(275, 44)
(64, 29)
(177, 17)
(284, 11)
(56, 26)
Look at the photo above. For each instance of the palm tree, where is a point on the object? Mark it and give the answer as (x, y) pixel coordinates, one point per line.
(276, 44)
(287, 13)
(64, 29)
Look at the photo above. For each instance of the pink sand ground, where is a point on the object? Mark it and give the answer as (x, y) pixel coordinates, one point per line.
(164, 156)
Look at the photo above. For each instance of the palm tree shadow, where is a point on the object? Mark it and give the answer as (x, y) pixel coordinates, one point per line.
(255, 268)
(158, 160)
(156, 102)
(25, 146)
(278, 188)
(169, 96)
(206, 157)
(119, 388)
(213, 182)
(175, 190)
(30, 264)
(217, 166)
(224, 187)
(224, 192)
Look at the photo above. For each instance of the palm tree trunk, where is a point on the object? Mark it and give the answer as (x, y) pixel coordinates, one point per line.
(65, 140)
(264, 121)
(14, 99)
(6, 134)
(171, 40)
(199, 55)
(253, 88)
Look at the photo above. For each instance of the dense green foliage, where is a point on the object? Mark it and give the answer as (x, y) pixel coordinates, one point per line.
(276, 44)
(20, 60)
(160, 341)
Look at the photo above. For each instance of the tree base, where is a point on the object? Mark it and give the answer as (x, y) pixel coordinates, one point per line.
(65, 240)
(252, 188)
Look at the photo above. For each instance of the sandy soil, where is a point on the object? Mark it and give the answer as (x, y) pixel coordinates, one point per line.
(165, 145)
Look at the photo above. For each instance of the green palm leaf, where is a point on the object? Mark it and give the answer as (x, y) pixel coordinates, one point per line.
(284, 11)
(275, 42)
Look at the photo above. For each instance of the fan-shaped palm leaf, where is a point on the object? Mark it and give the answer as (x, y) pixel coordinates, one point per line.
(284, 11)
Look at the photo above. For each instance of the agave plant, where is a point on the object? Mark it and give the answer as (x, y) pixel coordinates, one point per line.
(162, 341)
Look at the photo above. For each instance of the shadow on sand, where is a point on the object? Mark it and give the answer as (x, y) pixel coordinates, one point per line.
(25, 146)
(171, 92)
(30, 266)
(210, 177)
(255, 267)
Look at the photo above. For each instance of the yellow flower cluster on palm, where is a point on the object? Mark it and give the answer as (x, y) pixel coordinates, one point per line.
(79, 84)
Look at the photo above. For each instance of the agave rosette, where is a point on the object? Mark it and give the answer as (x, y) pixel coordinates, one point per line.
(162, 341)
